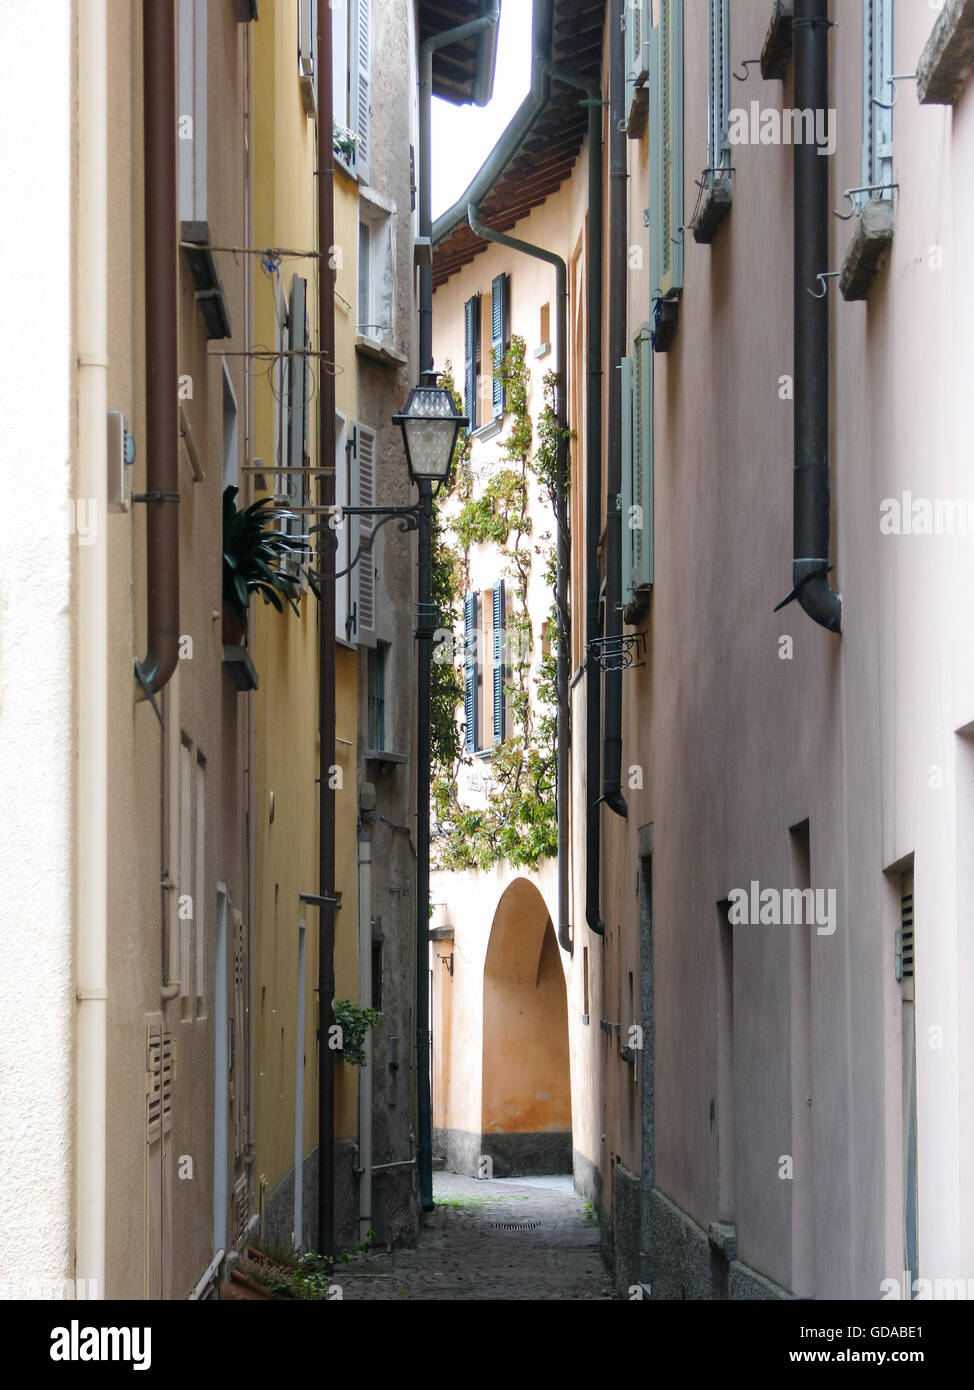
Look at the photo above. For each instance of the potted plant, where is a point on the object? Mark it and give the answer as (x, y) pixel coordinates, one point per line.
(255, 552)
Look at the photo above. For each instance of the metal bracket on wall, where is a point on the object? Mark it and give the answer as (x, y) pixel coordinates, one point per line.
(618, 653)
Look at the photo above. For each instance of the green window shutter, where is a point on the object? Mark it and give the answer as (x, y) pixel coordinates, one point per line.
(628, 482)
(718, 151)
(470, 671)
(499, 337)
(471, 322)
(670, 155)
(360, 85)
(642, 452)
(500, 623)
(877, 120)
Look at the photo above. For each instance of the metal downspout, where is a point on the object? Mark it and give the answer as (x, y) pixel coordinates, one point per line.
(161, 291)
(593, 496)
(564, 554)
(326, 646)
(618, 283)
(810, 567)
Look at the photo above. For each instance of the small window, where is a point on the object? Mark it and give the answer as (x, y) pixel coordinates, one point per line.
(376, 274)
(307, 52)
(377, 699)
(191, 117)
(377, 976)
(231, 469)
(545, 329)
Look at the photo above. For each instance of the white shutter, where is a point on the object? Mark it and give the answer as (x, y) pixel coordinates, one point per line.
(199, 899)
(158, 1127)
(877, 96)
(344, 550)
(363, 460)
(307, 51)
(360, 95)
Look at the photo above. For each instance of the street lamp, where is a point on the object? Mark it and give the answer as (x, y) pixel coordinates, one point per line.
(430, 427)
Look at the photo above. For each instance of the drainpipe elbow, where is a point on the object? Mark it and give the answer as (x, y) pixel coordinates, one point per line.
(613, 798)
(816, 596)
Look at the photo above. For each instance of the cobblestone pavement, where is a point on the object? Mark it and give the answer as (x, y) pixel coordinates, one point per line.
(505, 1239)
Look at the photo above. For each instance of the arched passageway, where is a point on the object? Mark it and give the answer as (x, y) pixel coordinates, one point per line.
(526, 1101)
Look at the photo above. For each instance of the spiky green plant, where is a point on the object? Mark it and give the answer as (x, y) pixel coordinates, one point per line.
(254, 555)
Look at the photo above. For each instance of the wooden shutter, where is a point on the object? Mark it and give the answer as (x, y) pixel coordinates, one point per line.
(158, 1127)
(670, 158)
(361, 90)
(471, 329)
(297, 433)
(363, 459)
(499, 338)
(500, 624)
(307, 52)
(239, 1042)
(470, 671)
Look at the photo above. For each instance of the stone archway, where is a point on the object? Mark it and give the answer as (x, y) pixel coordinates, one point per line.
(526, 1122)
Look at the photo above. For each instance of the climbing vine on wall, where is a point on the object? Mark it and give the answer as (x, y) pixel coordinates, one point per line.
(518, 822)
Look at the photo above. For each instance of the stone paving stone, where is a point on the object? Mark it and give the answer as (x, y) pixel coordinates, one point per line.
(469, 1250)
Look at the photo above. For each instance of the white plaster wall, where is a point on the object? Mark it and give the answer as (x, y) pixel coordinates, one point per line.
(37, 666)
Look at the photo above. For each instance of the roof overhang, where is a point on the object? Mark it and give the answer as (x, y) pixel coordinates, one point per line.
(537, 151)
(464, 72)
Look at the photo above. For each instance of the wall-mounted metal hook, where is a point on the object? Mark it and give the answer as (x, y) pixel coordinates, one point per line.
(891, 82)
(823, 277)
(678, 241)
(851, 193)
(745, 64)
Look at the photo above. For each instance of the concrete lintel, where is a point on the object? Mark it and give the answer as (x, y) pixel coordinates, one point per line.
(867, 250)
(948, 55)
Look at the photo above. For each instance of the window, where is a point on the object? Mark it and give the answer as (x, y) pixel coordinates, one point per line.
(199, 898)
(307, 52)
(345, 551)
(908, 1071)
(485, 668)
(362, 466)
(487, 336)
(637, 466)
(187, 886)
(666, 169)
(377, 976)
(191, 116)
(376, 273)
(295, 485)
(377, 699)
(231, 471)
(877, 98)
(718, 145)
(351, 22)
(544, 331)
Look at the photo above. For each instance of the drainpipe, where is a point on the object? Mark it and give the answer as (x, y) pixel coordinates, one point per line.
(424, 1101)
(618, 285)
(162, 424)
(810, 32)
(91, 983)
(564, 554)
(365, 1002)
(593, 493)
(326, 646)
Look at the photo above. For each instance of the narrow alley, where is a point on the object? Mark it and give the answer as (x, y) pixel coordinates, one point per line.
(524, 1239)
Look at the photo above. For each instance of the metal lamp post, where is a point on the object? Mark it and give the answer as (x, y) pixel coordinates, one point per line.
(430, 429)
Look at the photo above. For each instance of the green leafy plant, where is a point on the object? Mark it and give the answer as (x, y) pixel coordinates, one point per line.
(354, 1023)
(343, 141)
(519, 821)
(255, 552)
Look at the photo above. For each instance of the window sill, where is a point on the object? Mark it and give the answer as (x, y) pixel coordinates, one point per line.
(776, 53)
(206, 279)
(868, 250)
(379, 352)
(542, 351)
(714, 207)
(948, 55)
(240, 668)
(381, 755)
(342, 164)
(489, 431)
